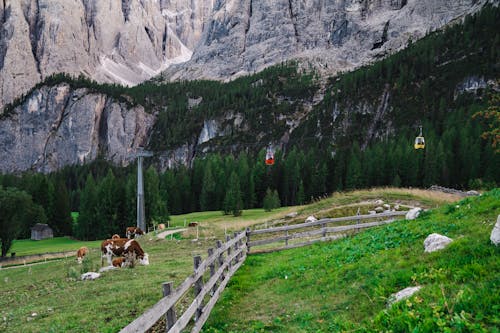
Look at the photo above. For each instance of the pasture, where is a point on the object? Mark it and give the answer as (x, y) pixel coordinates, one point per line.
(344, 286)
(50, 298)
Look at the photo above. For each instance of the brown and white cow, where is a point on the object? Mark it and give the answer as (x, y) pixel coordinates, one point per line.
(122, 247)
(131, 232)
(81, 253)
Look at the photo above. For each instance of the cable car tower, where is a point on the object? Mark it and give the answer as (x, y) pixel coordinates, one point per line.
(141, 216)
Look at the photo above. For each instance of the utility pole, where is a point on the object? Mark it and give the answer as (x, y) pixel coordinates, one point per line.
(141, 216)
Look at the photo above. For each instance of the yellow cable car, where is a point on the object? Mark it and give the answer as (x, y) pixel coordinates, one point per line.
(419, 141)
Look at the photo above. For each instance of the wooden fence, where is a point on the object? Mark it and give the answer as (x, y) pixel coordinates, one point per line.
(198, 310)
(323, 231)
(236, 248)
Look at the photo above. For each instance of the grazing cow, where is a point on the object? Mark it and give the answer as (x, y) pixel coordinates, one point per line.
(81, 253)
(115, 236)
(131, 232)
(122, 247)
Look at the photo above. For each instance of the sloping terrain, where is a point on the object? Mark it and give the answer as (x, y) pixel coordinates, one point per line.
(345, 285)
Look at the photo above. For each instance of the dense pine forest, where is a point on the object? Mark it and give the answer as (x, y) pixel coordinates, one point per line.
(360, 135)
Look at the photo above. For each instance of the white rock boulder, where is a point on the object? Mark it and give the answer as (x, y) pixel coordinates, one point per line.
(90, 276)
(311, 219)
(435, 242)
(495, 233)
(291, 215)
(413, 213)
(403, 294)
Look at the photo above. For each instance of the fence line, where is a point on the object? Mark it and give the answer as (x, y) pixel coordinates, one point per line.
(228, 265)
(322, 231)
(228, 257)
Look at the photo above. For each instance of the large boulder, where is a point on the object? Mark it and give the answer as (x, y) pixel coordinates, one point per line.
(495, 233)
(435, 242)
(413, 213)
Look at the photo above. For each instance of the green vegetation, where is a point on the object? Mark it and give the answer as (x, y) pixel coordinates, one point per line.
(25, 247)
(62, 303)
(345, 285)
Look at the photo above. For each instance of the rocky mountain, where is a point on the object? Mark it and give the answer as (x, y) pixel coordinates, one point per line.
(130, 41)
(245, 36)
(125, 41)
(59, 125)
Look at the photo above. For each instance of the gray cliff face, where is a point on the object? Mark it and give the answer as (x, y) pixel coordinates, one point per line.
(244, 36)
(58, 126)
(126, 41)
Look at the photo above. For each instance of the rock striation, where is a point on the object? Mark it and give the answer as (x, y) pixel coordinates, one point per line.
(58, 126)
(125, 41)
(129, 41)
(245, 36)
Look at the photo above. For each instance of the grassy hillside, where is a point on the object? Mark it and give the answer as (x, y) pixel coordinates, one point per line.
(64, 304)
(345, 285)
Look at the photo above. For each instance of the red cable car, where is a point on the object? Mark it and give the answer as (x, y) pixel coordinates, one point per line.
(269, 156)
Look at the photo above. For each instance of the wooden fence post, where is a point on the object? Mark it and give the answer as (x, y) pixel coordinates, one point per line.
(228, 238)
(286, 238)
(170, 316)
(240, 243)
(248, 239)
(324, 229)
(236, 246)
(198, 285)
(220, 259)
(212, 270)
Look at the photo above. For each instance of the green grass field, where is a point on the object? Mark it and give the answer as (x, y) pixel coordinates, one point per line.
(58, 244)
(49, 297)
(344, 286)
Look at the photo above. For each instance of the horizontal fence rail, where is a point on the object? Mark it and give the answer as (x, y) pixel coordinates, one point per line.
(227, 265)
(323, 231)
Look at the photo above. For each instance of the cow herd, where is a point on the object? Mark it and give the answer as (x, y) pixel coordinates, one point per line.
(127, 250)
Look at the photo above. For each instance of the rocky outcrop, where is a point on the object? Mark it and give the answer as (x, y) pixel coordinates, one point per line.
(244, 36)
(110, 41)
(58, 126)
(131, 41)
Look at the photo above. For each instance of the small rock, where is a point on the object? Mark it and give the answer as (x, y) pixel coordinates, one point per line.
(34, 314)
(90, 276)
(291, 215)
(372, 212)
(386, 206)
(379, 202)
(379, 209)
(472, 193)
(413, 213)
(403, 294)
(495, 233)
(396, 207)
(311, 219)
(435, 242)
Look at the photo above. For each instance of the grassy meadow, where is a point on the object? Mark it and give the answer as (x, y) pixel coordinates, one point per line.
(25, 247)
(49, 297)
(344, 286)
